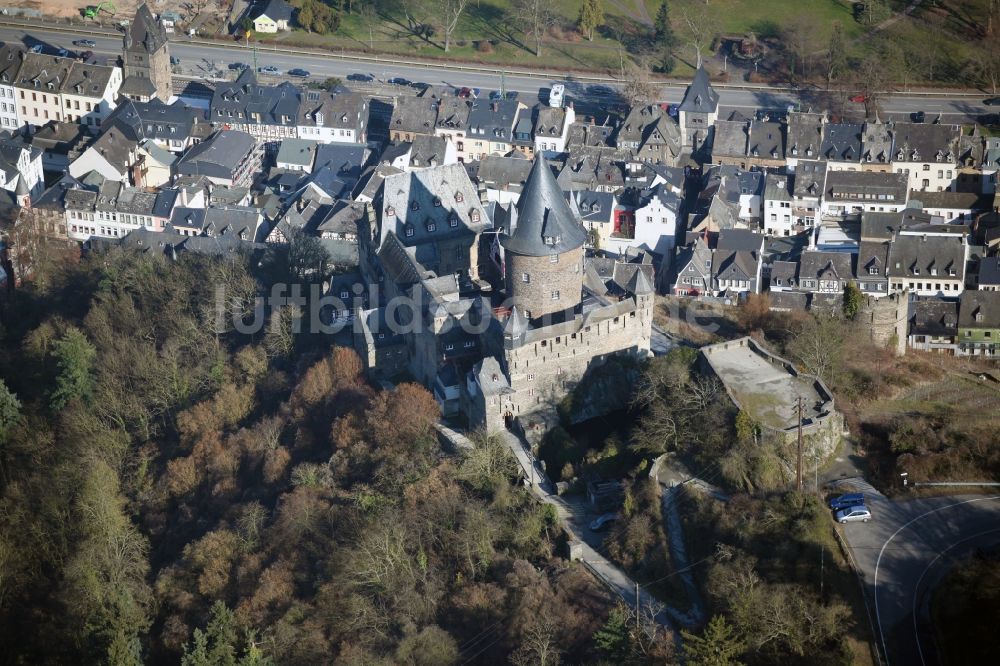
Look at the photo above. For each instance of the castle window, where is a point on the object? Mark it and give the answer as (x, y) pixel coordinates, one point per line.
(525, 277)
(468, 344)
(555, 295)
(554, 259)
(531, 377)
(449, 347)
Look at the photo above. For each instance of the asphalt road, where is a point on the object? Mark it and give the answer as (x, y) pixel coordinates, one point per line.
(202, 60)
(905, 551)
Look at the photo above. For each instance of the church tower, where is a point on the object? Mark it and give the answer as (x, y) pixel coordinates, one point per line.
(147, 59)
(698, 112)
(543, 248)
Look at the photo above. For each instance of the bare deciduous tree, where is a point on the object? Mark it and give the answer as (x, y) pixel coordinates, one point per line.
(534, 18)
(451, 12)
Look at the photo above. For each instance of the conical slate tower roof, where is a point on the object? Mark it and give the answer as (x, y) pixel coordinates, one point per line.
(545, 222)
(700, 96)
(516, 324)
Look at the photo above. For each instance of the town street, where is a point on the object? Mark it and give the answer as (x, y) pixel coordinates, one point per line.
(203, 59)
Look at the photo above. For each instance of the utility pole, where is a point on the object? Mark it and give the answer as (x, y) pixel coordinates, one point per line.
(637, 610)
(798, 463)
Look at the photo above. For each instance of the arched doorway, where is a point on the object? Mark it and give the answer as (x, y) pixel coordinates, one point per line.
(508, 420)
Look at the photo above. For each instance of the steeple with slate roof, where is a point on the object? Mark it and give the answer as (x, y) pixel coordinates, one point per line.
(700, 96)
(546, 224)
(516, 325)
(639, 284)
(146, 58)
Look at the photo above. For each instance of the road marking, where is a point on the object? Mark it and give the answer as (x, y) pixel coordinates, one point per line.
(878, 618)
(916, 588)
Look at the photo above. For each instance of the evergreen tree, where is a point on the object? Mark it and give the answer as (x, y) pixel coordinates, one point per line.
(614, 639)
(219, 644)
(664, 39)
(591, 16)
(717, 646)
(852, 300)
(75, 358)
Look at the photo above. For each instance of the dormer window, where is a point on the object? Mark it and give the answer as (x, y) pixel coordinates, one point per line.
(414, 205)
(390, 211)
(431, 227)
(437, 202)
(979, 315)
(474, 216)
(408, 230)
(459, 197)
(453, 221)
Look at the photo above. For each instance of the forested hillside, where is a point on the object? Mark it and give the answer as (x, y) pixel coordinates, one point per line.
(173, 493)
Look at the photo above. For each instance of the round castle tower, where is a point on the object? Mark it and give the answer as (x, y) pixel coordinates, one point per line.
(543, 248)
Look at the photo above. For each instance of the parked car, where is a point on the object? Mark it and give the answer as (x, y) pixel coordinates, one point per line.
(364, 78)
(464, 92)
(854, 514)
(37, 48)
(511, 95)
(989, 119)
(849, 499)
(858, 99)
(269, 69)
(86, 56)
(399, 81)
(918, 117)
(475, 92)
(174, 60)
(601, 91)
(420, 85)
(992, 101)
(495, 95)
(237, 66)
(601, 522)
(298, 71)
(86, 43)
(674, 110)
(64, 53)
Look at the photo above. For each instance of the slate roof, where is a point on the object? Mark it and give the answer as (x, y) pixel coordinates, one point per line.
(979, 309)
(44, 73)
(879, 226)
(427, 150)
(453, 114)
(730, 139)
(842, 142)
(955, 200)
(767, 139)
(740, 239)
(783, 273)
(778, 187)
(442, 196)
(493, 120)
(145, 31)
(700, 96)
(246, 102)
(989, 271)
(854, 185)
(934, 318)
(804, 134)
(226, 220)
(819, 265)
(503, 172)
(926, 142)
(298, 152)
(115, 147)
(810, 179)
(339, 110)
(417, 115)
(137, 86)
(490, 377)
(155, 120)
(916, 256)
(877, 142)
(549, 122)
(277, 10)
(595, 206)
(87, 80)
(11, 57)
(217, 157)
(545, 224)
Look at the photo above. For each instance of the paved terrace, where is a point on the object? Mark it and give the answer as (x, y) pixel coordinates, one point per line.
(766, 387)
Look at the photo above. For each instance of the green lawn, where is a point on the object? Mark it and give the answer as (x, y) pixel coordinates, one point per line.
(932, 38)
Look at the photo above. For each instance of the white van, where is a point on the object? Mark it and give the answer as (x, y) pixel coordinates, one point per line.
(556, 94)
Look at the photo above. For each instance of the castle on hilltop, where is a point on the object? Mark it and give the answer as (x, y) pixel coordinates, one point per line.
(501, 310)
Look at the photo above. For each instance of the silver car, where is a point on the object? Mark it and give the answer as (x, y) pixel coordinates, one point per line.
(854, 514)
